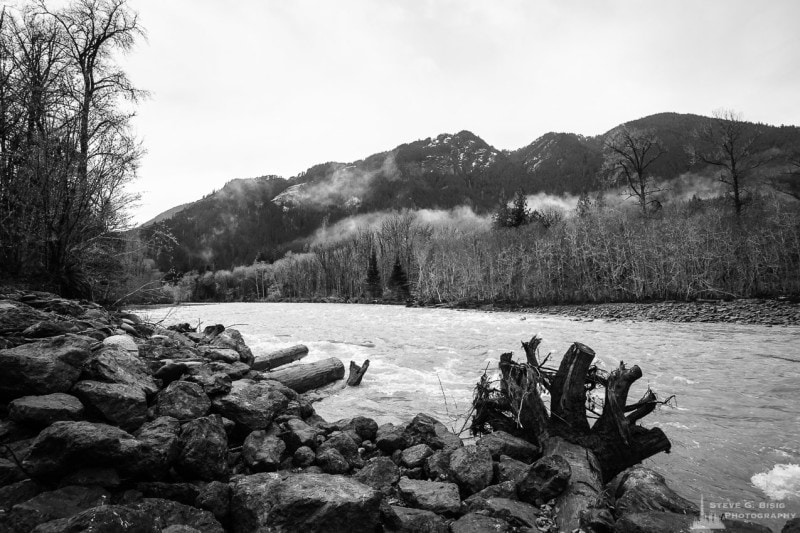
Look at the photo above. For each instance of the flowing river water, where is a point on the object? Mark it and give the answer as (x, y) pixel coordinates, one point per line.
(735, 429)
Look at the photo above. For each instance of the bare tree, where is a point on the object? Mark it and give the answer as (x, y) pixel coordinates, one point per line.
(730, 144)
(628, 156)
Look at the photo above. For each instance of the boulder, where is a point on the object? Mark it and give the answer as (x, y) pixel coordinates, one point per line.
(214, 382)
(546, 478)
(479, 523)
(415, 456)
(46, 409)
(43, 367)
(304, 457)
(215, 353)
(502, 443)
(408, 520)
(300, 434)
(125, 342)
(437, 466)
(253, 405)
(51, 505)
(641, 489)
(116, 518)
(505, 489)
(68, 446)
(18, 492)
(231, 338)
(50, 328)
(430, 495)
(170, 371)
(168, 513)
(472, 468)
(16, 317)
(389, 438)
(516, 513)
(262, 452)
(380, 473)
(203, 449)
(113, 364)
(345, 445)
(331, 461)
(10, 472)
(159, 445)
(366, 428)
(426, 429)
(215, 497)
(119, 403)
(182, 400)
(509, 469)
(303, 502)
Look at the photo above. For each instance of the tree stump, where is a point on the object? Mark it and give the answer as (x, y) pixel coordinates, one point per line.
(356, 373)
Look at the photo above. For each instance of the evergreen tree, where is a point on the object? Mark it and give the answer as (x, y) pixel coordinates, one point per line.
(398, 281)
(374, 289)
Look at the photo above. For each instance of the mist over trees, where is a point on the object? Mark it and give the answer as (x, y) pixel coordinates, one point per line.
(66, 146)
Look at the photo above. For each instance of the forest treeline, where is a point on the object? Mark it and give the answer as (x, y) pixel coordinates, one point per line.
(684, 251)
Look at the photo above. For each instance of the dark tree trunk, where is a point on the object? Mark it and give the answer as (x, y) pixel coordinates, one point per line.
(278, 358)
(314, 375)
(356, 373)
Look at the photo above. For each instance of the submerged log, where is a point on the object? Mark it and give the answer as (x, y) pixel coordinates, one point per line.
(356, 373)
(596, 453)
(278, 358)
(314, 375)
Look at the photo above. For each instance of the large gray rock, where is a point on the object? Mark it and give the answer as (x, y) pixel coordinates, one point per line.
(182, 400)
(106, 518)
(214, 381)
(121, 404)
(254, 405)
(262, 452)
(159, 446)
(231, 338)
(546, 478)
(415, 455)
(426, 429)
(44, 410)
(641, 489)
(380, 473)
(68, 446)
(390, 438)
(345, 445)
(204, 449)
(216, 353)
(51, 505)
(303, 502)
(125, 342)
(43, 367)
(516, 513)
(478, 523)
(331, 461)
(472, 468)
(215, 497)
(406, 520)
(168, 513)
(505, 489)
(509, 469)
(365, 428)
(113, 364)
(430, 495)
(300, 434)
(502, 443)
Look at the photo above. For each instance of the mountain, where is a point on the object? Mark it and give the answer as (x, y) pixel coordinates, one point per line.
(265, 217)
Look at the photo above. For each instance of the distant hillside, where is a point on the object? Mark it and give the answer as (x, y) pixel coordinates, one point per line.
(264, 217)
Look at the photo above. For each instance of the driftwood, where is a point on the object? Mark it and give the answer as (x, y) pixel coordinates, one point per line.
(278, 358)
(596, 453)
(303, 378)
(356, 373)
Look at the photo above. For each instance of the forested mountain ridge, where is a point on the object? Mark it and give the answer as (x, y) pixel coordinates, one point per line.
(262, 218)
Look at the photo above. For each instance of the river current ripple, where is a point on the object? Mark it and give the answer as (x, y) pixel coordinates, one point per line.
(735, 429)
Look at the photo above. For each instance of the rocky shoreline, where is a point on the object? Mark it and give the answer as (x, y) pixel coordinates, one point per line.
(108, 423)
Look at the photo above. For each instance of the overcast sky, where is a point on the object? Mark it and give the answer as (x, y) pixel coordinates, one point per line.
(253, 87)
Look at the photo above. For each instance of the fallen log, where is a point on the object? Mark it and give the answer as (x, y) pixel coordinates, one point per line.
(596, 453)
(303, 378)
(356, 373)
(278, 358)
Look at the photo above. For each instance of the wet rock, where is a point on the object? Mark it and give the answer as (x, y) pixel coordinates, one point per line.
(262, 452)
(344, 444)
(113, 364)
(300, 434)
(516, 513)
(46, 409)
(366, 428)
(390, 438)
(182, 400)
(107, 478)
(21, 491)
(472, 468)
(430, 495)
(216, 498)
(437, 466)
(203, 449)
(231, 338)
(641, 489)
(253, 405)
(509, 469)
(478, 523)
(159, 445)
(304, 457)
(43, 367)
(331, 461)
(502, 443)
(546, 479)
(116, 518)
(70, 446)
(303, 502)
(426, 429)
(168, 513)
(121, 404)
(417, 521)
(415, 456)
(51, 505)
(380, 473)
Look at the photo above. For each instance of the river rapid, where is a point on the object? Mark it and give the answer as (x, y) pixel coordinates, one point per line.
(735, 429)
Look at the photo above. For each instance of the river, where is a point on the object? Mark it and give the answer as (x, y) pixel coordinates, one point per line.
(735, 429)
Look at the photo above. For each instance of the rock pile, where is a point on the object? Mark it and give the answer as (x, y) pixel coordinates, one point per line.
(111, 424)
